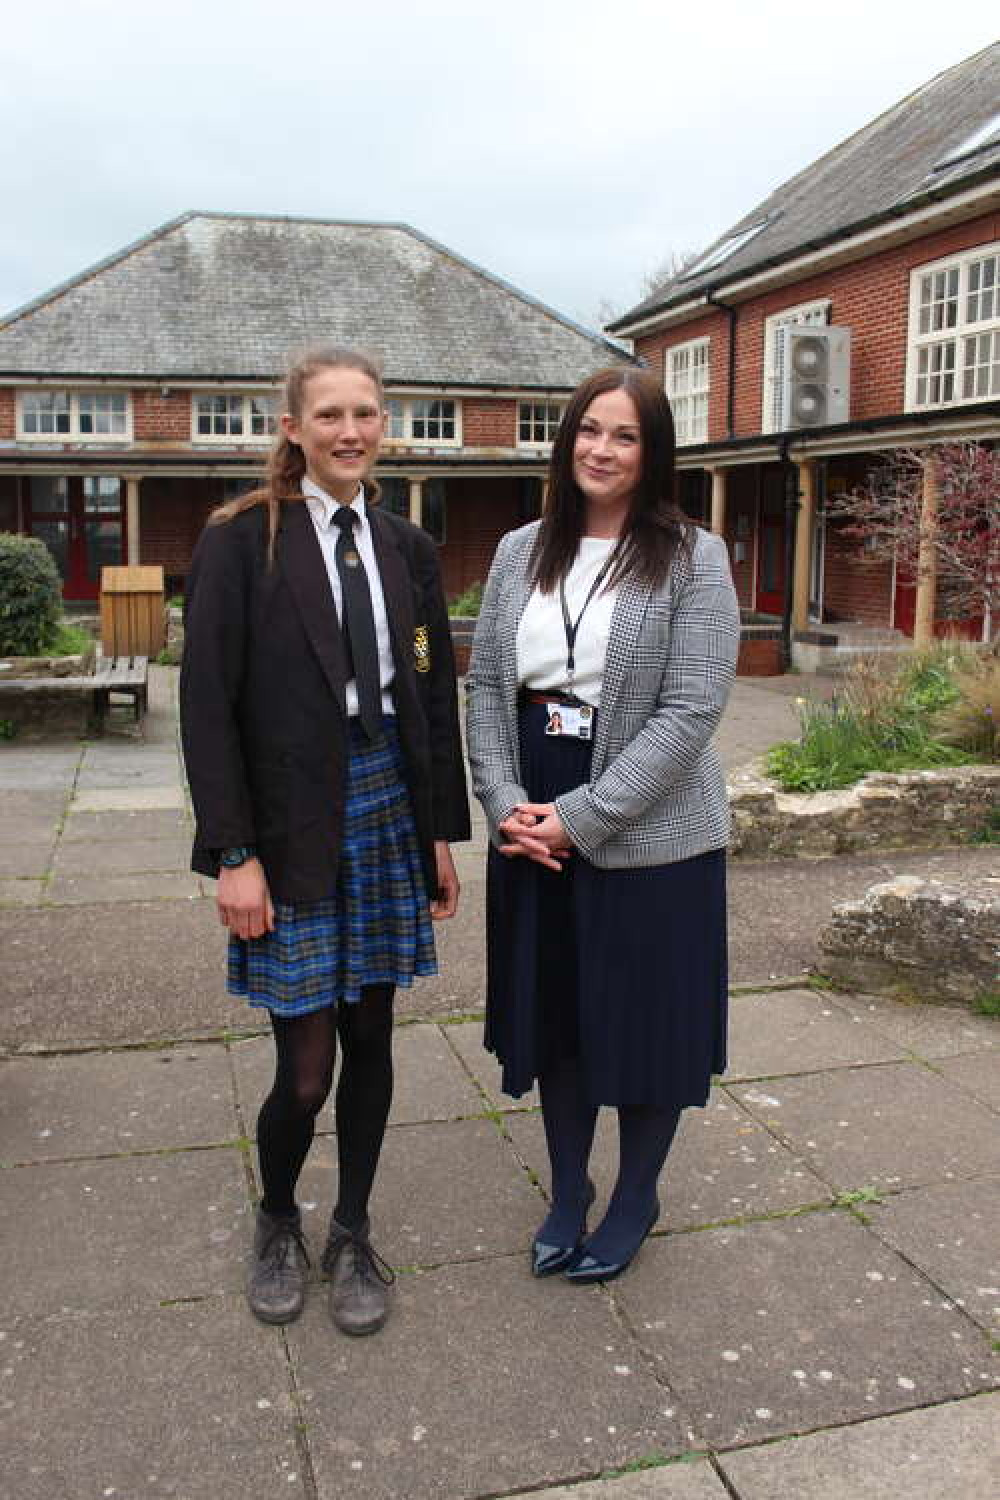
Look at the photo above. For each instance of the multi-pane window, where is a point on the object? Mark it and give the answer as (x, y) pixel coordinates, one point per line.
(74, 414)
(807, 313)
(537, 422)
(954, 353)
(423, 421)
(688, 377)
(220, 415)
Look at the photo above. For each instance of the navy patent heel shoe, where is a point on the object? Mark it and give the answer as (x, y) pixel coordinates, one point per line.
(549, 1260)
(583, 1268)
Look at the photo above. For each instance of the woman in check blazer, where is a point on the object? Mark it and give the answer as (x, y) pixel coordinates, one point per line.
(614, 619)
(324, 759)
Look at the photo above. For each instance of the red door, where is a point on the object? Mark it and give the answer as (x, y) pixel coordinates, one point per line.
(771, 544)
(82, 522)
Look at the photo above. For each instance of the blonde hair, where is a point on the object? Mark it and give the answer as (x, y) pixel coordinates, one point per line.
(286, 463)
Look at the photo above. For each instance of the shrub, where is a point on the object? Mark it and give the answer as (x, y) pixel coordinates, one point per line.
(30, 596)
(467, 603)
(882, 720)
(970, 720)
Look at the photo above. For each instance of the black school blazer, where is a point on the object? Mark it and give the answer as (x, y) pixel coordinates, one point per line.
(263, 715)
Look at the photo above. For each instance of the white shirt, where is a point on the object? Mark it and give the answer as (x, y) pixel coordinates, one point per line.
(541, 633)
(322, 509)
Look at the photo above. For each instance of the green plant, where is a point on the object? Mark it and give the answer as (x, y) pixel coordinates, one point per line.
(69, 640)
(467, 603)
(8, 729)
(882, 720)
(30, 595)
(990, 831)
(971, 717)
(988, 1003)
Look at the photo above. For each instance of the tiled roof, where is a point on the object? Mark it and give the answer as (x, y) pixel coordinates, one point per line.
(220, 295)
(907, 156)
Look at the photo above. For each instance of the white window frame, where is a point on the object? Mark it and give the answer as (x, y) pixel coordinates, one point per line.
(945, 351)
(405, 412)
(246, 438)
(76, 403)
(816, 314)
(538, 414)
(687, 380)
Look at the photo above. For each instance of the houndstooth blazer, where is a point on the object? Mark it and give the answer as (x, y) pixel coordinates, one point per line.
(657, 791)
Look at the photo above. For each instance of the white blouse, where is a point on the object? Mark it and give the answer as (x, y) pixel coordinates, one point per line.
(541, 634)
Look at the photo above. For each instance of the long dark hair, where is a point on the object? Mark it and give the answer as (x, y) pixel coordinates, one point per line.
(286, 463)
(655, 528)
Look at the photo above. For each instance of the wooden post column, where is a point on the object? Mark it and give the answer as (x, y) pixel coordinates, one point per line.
(132, 519)
(803, 543)
(926, 601)
(417, 501)
(717, 520)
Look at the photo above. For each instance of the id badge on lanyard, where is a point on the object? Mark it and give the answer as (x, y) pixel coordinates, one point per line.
(572, 720)
(575, 719)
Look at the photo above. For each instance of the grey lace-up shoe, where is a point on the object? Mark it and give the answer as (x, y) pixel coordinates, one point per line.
(276, 1281)
(359, 1278)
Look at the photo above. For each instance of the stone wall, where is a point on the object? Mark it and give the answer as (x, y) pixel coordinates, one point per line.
(918, 939)
(905, 810)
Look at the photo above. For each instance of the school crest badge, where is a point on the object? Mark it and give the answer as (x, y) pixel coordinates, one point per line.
(422, 649)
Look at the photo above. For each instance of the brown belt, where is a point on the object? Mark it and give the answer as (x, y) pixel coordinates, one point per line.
(528, 695)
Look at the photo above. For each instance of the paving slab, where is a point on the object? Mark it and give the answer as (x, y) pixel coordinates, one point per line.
(444, 1192)
(44, 770)
(798, 1031)
(21, 892)
(113, 827)
(177, 1401)
(99, 888)
(942, 1453)
(952, 1233)
(25, 802)
(27, 828)
(113, 973)
(101, 1103)
(467, 1039)
(521, 1383)
(677, 1479)
(930, 1031)
(129, 799)
(430, 1082)
(895, 1125)
(130, 857)
(978, 1073)
(783, 1326)
(123, 1231)
(28, 858)
(460, 985)
(722, 1165)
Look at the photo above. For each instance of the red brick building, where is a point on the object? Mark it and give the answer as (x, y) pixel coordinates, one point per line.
(882, 262)
(143, 392)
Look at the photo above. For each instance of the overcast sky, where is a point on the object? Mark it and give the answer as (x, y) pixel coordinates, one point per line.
(566, 145)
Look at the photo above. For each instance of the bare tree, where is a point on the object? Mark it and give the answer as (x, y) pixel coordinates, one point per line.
(955, 539)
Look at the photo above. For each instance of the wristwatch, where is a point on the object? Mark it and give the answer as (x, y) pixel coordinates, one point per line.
(237, 855)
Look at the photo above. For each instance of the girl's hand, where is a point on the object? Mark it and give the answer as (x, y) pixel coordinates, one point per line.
(446, 903)
(244, 901)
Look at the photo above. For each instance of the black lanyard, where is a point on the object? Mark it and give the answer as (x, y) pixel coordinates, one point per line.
(572, 626)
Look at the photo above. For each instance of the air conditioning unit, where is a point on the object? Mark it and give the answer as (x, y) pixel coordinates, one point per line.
(813, 370)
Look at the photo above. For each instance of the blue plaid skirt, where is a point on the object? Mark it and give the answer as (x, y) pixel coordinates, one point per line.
(376, 927)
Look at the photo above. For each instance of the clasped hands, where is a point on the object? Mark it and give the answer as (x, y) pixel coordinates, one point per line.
(535, 831)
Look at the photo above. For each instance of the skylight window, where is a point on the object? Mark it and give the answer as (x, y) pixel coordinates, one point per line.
(723, 250)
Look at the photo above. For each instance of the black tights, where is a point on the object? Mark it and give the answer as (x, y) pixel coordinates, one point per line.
(306, 1049)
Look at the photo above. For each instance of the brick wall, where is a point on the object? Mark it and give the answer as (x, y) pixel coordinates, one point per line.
(172, 513)
(489, 424)
(854, 588)
(161, 417)
(8, 417)
(479, 511)
(870, 296)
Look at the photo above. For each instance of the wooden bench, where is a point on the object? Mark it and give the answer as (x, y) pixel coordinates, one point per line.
(128, 675)
(77, 704)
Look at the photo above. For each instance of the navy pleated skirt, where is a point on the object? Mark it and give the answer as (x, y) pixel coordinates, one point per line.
(625, 969)
(375, 928)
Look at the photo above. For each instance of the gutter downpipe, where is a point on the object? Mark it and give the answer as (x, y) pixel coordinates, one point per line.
(790, 481)
(732, 314)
